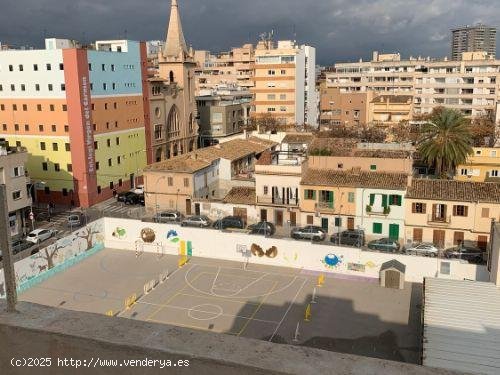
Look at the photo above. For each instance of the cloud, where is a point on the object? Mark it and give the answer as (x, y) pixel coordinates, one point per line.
(341, 30)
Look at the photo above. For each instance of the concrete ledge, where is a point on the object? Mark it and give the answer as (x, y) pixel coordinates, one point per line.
(38, 331)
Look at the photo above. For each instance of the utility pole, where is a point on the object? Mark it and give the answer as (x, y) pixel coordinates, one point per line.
(5, 245)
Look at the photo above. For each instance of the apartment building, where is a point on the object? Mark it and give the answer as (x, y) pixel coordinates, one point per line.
(473, 39)
(15, 178)
(80, 114)
(482, 166)
(172, 105)
(222, 113)
(447, 212)
(226, 68)
(284, 76)
(469, 85)
(206, 173)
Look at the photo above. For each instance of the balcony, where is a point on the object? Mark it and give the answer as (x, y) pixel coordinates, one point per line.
(325, 206)
(278, 201)
(441, 220)
(377, 210)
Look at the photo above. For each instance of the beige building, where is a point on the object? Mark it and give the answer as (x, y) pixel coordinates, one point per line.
(233, 68)
(284, 76)
(470, 85)
(16, 181)
(482, 166)
(386, 110)
(172, 101)
(206, 173)
(448, 212)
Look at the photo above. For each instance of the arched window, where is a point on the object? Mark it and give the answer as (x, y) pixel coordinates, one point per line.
(158, 154)
(173, 124)
(171, 76)
(175, 151)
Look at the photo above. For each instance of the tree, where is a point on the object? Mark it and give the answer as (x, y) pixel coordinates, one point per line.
(485, 132)
(405, 132)
(446, 141)
(88, 234)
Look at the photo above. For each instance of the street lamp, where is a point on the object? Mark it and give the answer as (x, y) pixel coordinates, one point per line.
(32, 216)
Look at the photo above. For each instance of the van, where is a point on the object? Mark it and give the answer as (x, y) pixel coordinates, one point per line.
(75, 220)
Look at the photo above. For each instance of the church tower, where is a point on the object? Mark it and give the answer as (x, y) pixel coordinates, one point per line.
(173, 105)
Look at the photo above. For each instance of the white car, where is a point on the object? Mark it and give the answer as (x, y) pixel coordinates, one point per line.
(39, 235)
(139, 189)
(424, 248)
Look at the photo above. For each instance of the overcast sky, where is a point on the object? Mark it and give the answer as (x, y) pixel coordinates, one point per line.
(341, 30)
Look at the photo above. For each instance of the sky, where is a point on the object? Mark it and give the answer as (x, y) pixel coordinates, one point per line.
(341, 30)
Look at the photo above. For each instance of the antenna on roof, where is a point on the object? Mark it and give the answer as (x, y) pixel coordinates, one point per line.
(294, 34)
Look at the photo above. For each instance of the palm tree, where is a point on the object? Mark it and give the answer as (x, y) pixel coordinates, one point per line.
(446, 141)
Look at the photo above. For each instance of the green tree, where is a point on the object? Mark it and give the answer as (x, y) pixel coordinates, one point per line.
(446, 141)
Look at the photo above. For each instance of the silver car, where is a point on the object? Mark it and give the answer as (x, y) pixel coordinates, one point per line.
(168, 217)
(424, 248)
(196, 221)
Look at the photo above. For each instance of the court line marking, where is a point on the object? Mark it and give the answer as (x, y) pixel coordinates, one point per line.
(64, 291)
(287, 310)
(227, 268)
(244, 297)
(215, 315)
(256, 311)
(232, 300)
(191, 327)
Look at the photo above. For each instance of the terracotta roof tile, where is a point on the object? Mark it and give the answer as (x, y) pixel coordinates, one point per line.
(241, 195)
(298, 138)
(355, 179)
(450, 190)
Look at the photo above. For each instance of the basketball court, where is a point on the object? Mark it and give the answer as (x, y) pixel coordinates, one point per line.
(243, 299)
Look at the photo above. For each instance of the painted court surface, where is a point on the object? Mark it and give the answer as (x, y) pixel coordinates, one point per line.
(260, 302)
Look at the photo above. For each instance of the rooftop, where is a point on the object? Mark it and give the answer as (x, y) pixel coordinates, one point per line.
(399, 99)
(241, 195)
(355, 179)
(298, 138)
(204, 157)
(346, 147)
(450, 190)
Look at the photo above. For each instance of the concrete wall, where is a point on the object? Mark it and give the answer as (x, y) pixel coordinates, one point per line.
(295, 254)
(57, 257)
(37, 331)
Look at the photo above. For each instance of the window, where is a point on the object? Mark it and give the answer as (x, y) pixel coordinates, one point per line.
(55, 147)
(117, 141)
(493, 153)
(26, 127)
(494, 173)
(16, 127)
(67, 147)
(96, 145)
(282, 96)
(158, 131)
(283, 71)
(63, 87)
(54, 128)
(35, 67)
(110, 162)
(350, 197)
(47, 190)
(310, 194)
(113, 86)
(50, 87)
(112, 67)
(96, 165)
(18, 171)
(44, 166)
(42, 145)
(108, 142)
(16, 195)
(61, 66)
(271, 72)
(186, 182)
(25, 107)
(119, 159)
(485, 212)
(111, 185)
(23, 87)
(114, 105)
(98, 190)
(418, 208)
(66, 128)
(120, 182)
(103, 67)
(11, 68)
(266, 190)
(90, 67)
(105, 105)
(37, 87)
(64, 107)
(69, 167)
(377, 228)
(338, 221)
(4, 127)
(65, 192)
(12, 88)
(104, 86)
(48, 66)
(14, 107)
(57, 167)
(170, 181)
(373, 167)
(38, 107)
(271, 97)
(52, 107)
(460, 210)
(394, 200)
(1, 88)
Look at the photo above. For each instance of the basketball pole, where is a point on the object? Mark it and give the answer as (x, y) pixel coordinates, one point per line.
(313, 299)
(296, 335)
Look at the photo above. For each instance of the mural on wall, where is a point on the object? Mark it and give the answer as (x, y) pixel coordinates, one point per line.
(295, 257)
(356, 267)
(332, 261)
(68, 249)
(257, 251)
(148, 235)
(172, 236)
(370, 264)
(119, 233)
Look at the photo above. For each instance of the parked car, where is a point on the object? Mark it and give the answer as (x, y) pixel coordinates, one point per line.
(264, 227)
(196, 221)
(424, 248)
(142, 202)
(468, 252)
(20, 245)
(384, 244)
(353, 237)
(168, 217)
(75, 219)
(229, 222)
(40, 235)
(139, 189)
(309, 232)
(128, 197)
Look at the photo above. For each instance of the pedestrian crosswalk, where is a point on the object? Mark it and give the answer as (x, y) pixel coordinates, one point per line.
(113, 208)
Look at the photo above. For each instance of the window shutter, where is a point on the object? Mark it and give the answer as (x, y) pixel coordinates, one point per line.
(384, 200)
(399, 200)
(314, 194)
(424, 208)
(413, 208)
(372, 199)
(454, 210)
(466, 210)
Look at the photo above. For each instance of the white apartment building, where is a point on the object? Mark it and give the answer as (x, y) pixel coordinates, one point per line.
(284, 76)
(470, 85)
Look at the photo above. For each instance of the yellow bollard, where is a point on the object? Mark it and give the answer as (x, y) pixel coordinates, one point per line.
(321, 280)
(307, 315)
(109, 313)
(130, 301)
(182, 261)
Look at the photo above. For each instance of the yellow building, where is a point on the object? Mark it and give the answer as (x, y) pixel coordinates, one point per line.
(482, 166)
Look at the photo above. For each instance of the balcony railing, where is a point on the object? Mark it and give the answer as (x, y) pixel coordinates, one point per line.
(438, 220)
(378, 210)
(278, 201)
(325, 206)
